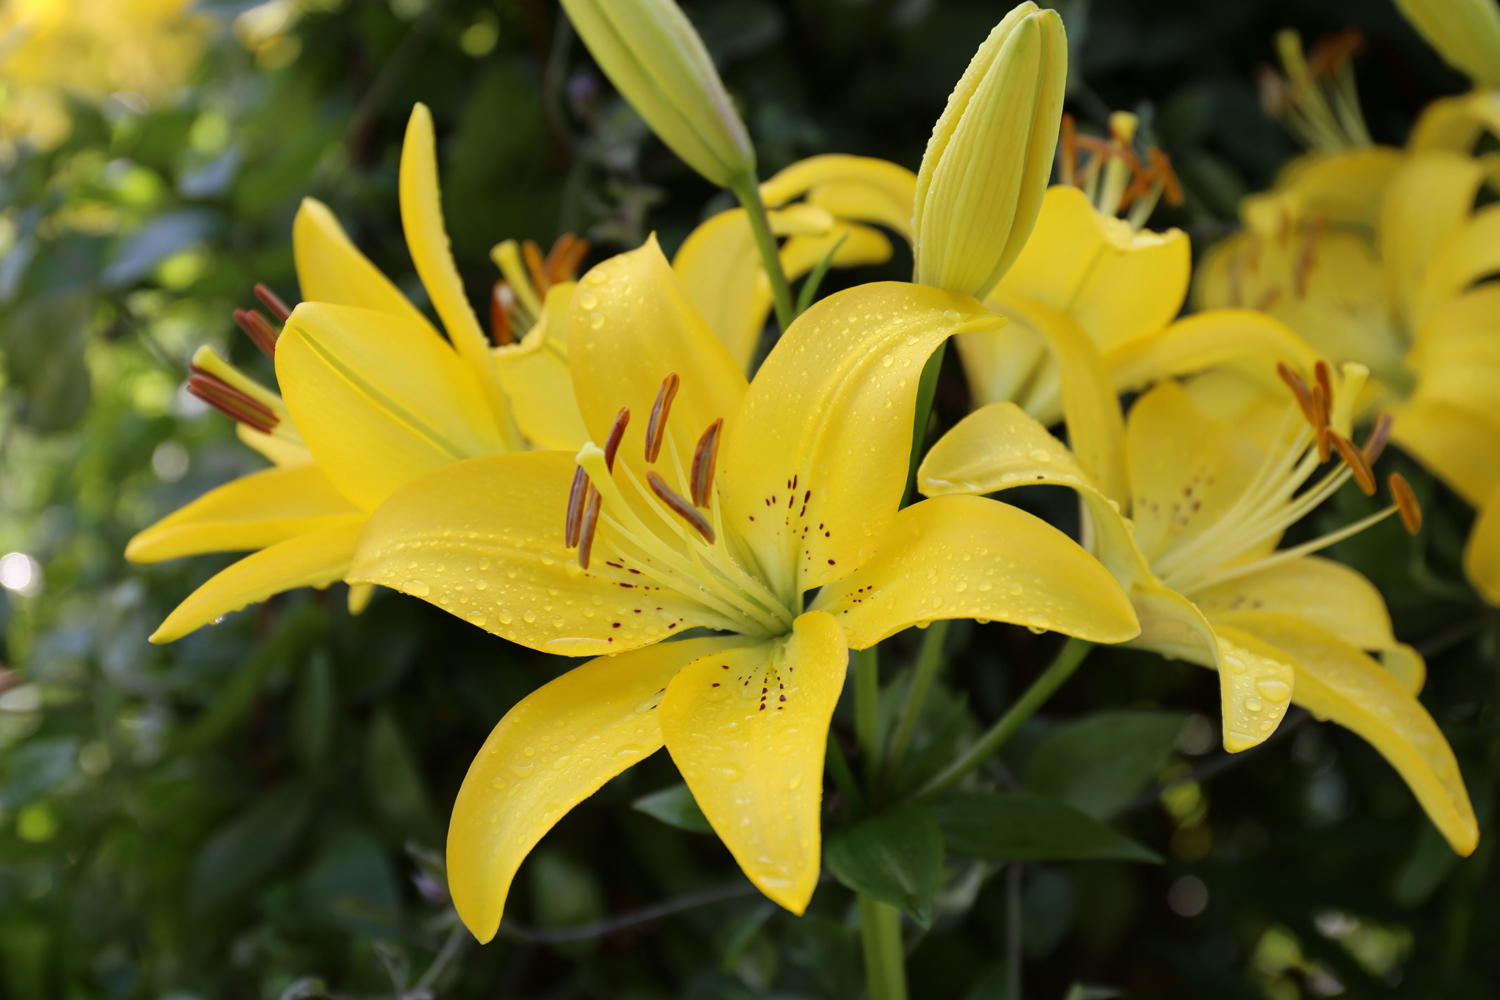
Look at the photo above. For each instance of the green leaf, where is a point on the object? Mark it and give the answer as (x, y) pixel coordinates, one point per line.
(674, 806)
(1027, 827)
(243, 851)
(1099, 764)
(312, 712)
(394, 781)
(895, 857)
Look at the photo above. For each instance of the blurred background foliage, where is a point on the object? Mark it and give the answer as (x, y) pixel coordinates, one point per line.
(259, 809)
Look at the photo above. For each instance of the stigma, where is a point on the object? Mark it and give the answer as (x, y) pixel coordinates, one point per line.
(1115, 176)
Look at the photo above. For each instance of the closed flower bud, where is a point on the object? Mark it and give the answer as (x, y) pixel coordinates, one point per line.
(655, 59)
(1466, 33)
(990, 156)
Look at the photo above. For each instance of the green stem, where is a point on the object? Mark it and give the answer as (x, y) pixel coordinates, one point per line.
(843, 777)
(929, 659)
(885, 962)
(867, 710)
(1068, 659)
(746, 188)
(926, 394)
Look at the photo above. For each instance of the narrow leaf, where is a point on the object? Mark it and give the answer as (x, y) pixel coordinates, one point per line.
(1030, 828)
(1100, 763)
(674, 806)
(895, 857)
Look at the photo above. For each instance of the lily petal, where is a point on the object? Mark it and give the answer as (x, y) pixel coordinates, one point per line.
(1456, 123)
(252, 512)
(851, 187)
(275, 449)
(483, 540)
(331, 269)
(1458, 444)
(1468, 256)
(536, 379)
(967, 557)
(1241, 337)
(377, 401)
(554, 749)
(315, 559)
(631, 324)
(1428, 202)
(1336, 681)
(823, 435)
(1482, 554)
(747, 728)
(1117, 282)
(1346, 188)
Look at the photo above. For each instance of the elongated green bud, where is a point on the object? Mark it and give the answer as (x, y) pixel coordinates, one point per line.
(1466, 33)
(990, 155)
(652, 55)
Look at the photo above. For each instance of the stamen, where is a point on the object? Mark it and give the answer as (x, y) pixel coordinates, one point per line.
(1355, 459)
(1299, 390)
(587, 529)
(502, 302)
(578, 497)
(616, 435)
(536, 267)
(567, 253)
(273, 302)
(1320, 410)
(1406, 503)
(1376, 442)
(656, 427)
(258, 329)
(1324, 375)
(680, 506)
(1068, 167)
(231, 402)
(705, 461)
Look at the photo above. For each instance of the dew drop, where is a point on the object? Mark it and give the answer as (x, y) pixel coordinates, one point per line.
(597, 277)
(1016, 588)
(416, 588)
(588, 300)
(950, 314)
(731, 773)
(1254, 704)
(522, 770)
(960, 587)
(498, 782)
(795, 783)
(529, 617)
(1273, 689)
(596, 321)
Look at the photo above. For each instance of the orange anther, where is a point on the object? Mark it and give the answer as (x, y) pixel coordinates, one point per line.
(705, 460)
(1355, 459)
(616, 434)
(1406, 503)
(536, 267)
(1379, 435)
(587, 528)
(502, 301)
(656, 427)
(680, 505)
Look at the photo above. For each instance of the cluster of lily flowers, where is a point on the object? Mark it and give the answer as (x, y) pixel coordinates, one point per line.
(607, 468)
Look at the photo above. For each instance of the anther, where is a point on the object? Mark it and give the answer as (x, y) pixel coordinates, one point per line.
(1406, 503)
(502, 301)
(680, 505)
(1299, 389)
(273, 302)
(578, 497)
(1320, 411)
(258, 329)
(1069, 143)
(616, 435)
(1375, 443)
(656, 427)
(231, 402)
(1355, 459)
(587, 528)
(565, 256)
(705, 460)
(1324, 375)
(536, 267)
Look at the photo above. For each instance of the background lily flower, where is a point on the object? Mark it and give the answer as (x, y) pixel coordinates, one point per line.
(713, 503)
(374, 397)
(720, 265)
(1196, 545)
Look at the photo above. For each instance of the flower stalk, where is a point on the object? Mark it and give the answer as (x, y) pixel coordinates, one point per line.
(747, 189)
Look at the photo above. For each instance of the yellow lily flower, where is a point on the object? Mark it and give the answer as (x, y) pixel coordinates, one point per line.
(720, 265)
(374, 397)
(1195, 542)
(1372, 255)
(712, 503)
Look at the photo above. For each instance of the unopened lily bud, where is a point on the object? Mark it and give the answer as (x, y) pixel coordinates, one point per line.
(1466, 33)
(990, 155)
(655, 59)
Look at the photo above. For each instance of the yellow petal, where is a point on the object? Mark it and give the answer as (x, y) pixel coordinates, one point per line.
(251, 512)
(1470, 254)
(554, 749)
(967, 557)
(315, 559)
(1186, 469)
(1248, 339)
(360, 595)
(536, 379)
(1242, 401)
(1012, 363)
(816, 460)
(857, 245)
(1095, 427)
(331, 269)
(1338, 682)
(1461, 446)
(427, 239)
(1456, 123)
(276, 449)
(483, 540)
(631, 324)
(719, 267)
(747, 728)
(1344, 188)
(1482, 554)
(851, 187)
(377, 400)
(1427, 203)
(1117, 282)
(1328, 594)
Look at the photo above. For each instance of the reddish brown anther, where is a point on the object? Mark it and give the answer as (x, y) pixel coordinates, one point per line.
(502, 301)
(536, 267)
(705, 461)
(616, 435)
(1355, 459)
(1379, 435)
(656, 427)
(231, 402)
(1320, 425)
(578, 497)
(1069, 143)
(680, 506)
(1406, 503)
(258, 329)
(273, 302)
(564, 257)
(1299, 389)
(587, 529)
